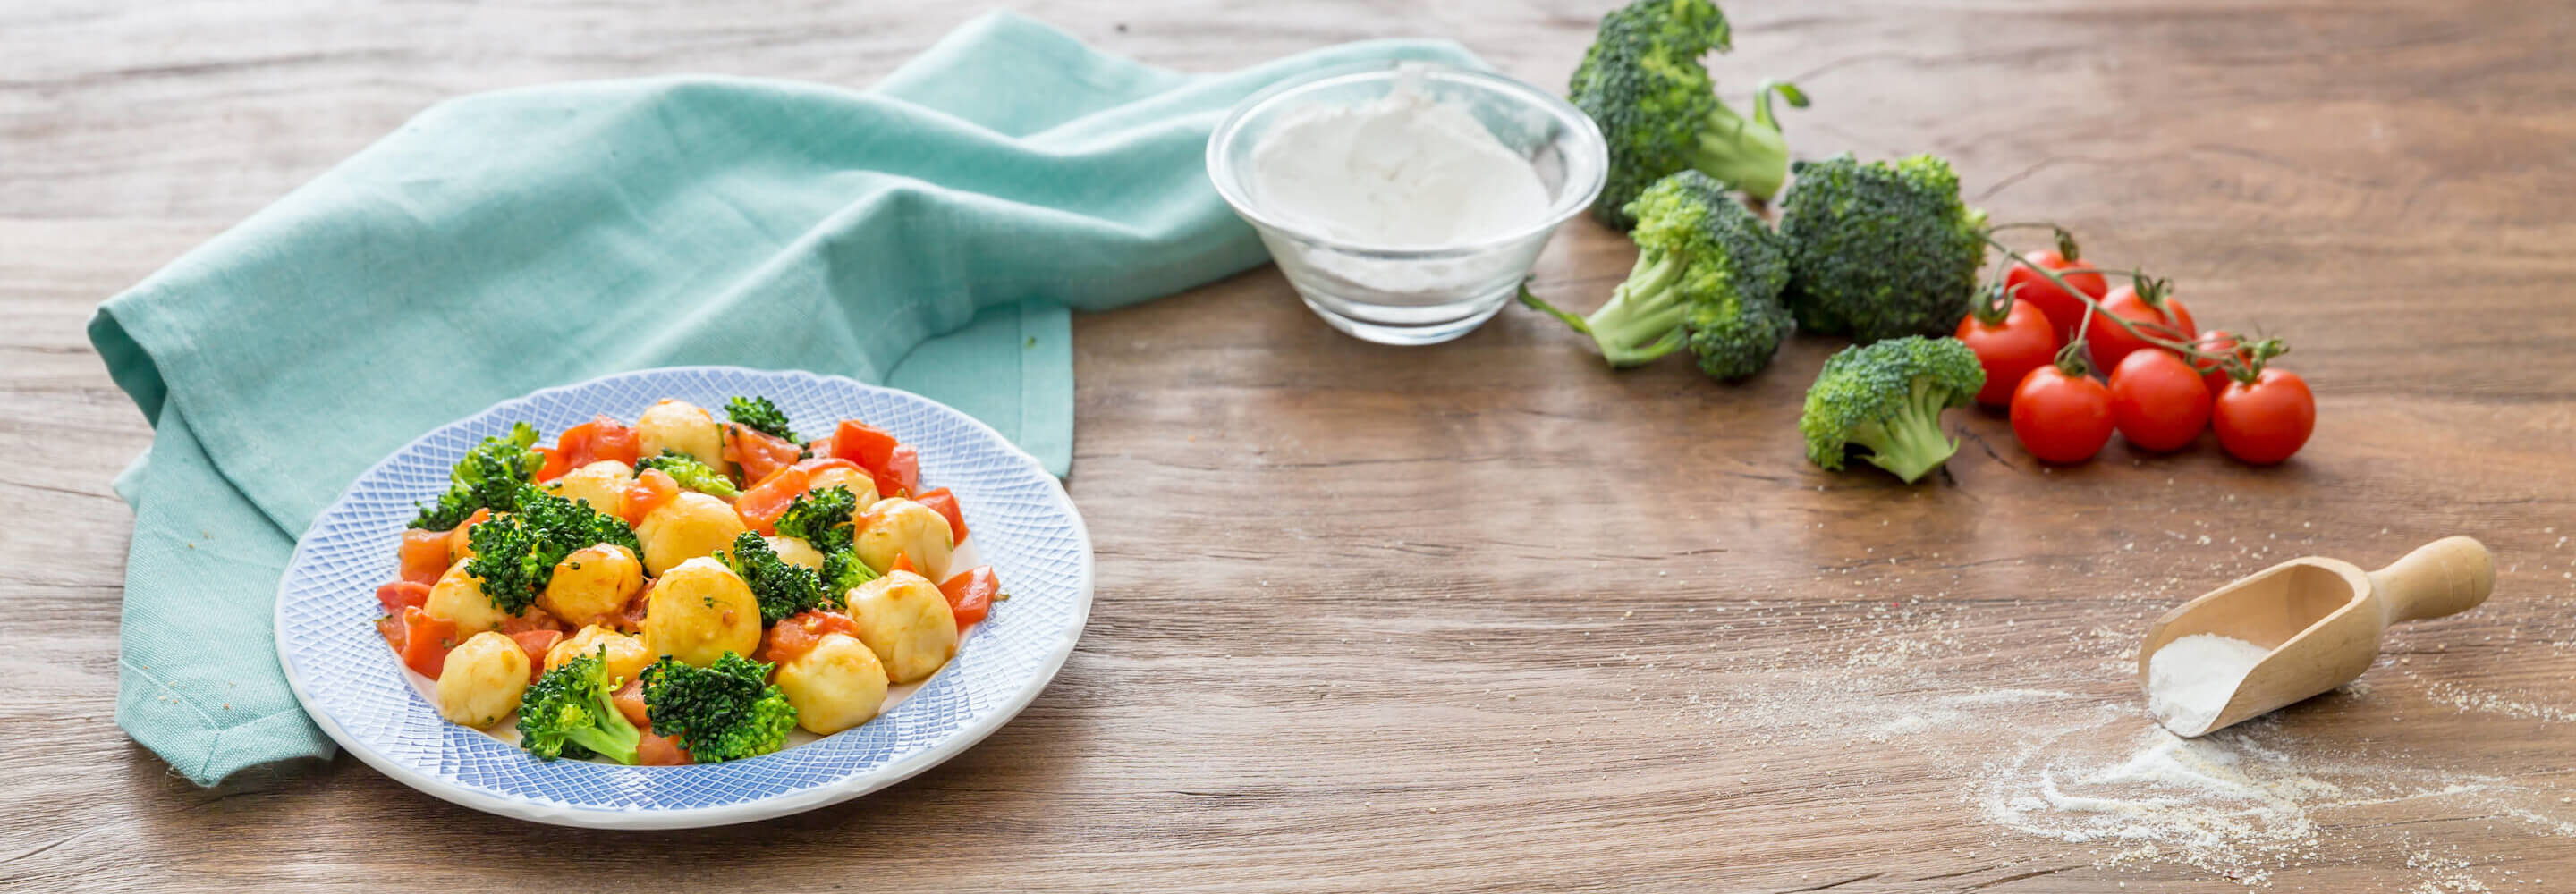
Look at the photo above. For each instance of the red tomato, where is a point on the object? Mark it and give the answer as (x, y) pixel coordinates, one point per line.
(535, 643)
(901, 475)
(552, 463)
(970, 595)
(820, 463)
(759, 453)
(2009, 350)
(391, 628)
(424, 555)
(426, 641)
(2157, 401)
(2266, 420)
(2062, 308)
(761, 506)
(796, 635)
(902, 562)
(652, 488)
(2219, 341)
(2110, 344)
(402, 594)
(2061, 418)
(611, 439)
(600, 438)
(630, 702)
(461, 540)
(655, 750)
(863, 444)
(945, 503)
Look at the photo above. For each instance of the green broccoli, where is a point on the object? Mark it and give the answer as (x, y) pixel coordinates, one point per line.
(488, 477)
(688, 472)
(728, 711)
(567, 713)
(1642, 82)
(758, 413)
(515, 553)
(822, 518)
(843, 571)
(782, 587)
(1708, 276)
(1880, 250)
(1888, 397)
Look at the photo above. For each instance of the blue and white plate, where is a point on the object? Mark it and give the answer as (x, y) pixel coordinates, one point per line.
(1022, 524)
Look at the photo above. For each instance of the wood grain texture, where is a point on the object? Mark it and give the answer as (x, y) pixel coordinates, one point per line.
(1481, 616)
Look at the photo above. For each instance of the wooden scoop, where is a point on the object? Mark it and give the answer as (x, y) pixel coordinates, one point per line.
(2321, 619)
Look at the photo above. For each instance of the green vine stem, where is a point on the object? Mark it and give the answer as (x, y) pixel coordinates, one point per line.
(2150, 289)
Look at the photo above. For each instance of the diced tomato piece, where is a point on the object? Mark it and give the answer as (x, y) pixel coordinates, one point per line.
(863, 444)
(652, 488)
(631, 618)
(425, 555)
(970, 595)
(402, 594)
(630, 702)
(902, 562)
(554, 462)
(462, 538)
(820, 463)
(797, 634)
(532, 619)
(611, 439)
(426, 641)
(757, 452)
(655, 750)
(901, 476)
(761, 506)
(391, 628)
(535, 643)
(945, 503)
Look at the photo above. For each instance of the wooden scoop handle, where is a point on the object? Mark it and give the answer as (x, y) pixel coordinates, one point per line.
(2444, 577)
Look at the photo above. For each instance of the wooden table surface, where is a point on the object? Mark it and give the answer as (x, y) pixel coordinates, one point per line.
(1487, 615)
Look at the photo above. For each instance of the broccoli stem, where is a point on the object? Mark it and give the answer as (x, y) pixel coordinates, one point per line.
(1910, 442)
(1643, 318)
(1748, 155)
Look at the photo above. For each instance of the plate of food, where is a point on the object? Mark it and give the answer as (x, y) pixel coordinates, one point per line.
(683, 597)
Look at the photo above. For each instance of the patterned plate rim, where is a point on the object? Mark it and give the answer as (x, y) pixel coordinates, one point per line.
(855, 784)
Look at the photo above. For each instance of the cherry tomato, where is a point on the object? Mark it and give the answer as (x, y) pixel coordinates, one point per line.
(2219, 341)
(2061, 418)
(2157, 402)
(2110, 344)
(2266, 420)
(2009, 350)
(2062, 308)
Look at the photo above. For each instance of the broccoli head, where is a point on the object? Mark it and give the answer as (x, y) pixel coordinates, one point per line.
(1880, 250)
(844, 571)
(1642, 82)
(822, 518)
(783, 588)
(488, 477)
(515, 553)
(722, 712)
(758, 413)
(1708, 277)
(688, 472)
(567, 713)
(1887, 398)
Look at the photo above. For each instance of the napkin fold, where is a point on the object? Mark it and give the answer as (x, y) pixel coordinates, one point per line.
(928, 234)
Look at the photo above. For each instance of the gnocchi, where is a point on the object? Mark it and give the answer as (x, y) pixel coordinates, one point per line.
(689, 526)
(458, 598)
(482, 681)
(699, 611)
(797, 552)
(626, 656)
(900, 527)
(592, 585)
(682, 426)
(906, 622)
(601, 484)
(835, 685)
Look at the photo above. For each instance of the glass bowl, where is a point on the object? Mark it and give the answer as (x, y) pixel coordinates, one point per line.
(1409, 295)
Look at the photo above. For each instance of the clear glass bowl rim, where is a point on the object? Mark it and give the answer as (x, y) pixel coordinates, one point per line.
(1586, 138)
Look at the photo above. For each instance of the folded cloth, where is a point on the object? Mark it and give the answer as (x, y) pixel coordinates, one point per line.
(928, 234)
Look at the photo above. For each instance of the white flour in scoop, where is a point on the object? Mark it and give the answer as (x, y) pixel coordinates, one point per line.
(2190, 680)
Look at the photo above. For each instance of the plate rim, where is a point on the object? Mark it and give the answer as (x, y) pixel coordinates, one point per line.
(783, 804)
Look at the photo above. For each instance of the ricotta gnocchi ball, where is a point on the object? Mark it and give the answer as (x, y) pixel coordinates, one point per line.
(796, 551)
(482, 680)
(692, 525)
(904, 620)
(593, 584)
(836, 685)
(699, 611)
(601, 484)
(458, 598)
(902, 527)
(626, 655)
(858, 483)
(682, 426)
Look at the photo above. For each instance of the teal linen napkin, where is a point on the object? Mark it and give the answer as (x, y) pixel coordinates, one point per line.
(928, 234)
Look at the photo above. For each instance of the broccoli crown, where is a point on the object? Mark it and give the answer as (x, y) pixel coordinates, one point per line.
(1878, 249)
(758, 413)
(688, 472)
(488, 477)
(567, 713)
(515, 553)
(727, 711)
(1887, 397)
(783, 588)
(1642, 82)
(822, 518)
(1708, 277)
(842, 572)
